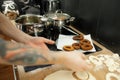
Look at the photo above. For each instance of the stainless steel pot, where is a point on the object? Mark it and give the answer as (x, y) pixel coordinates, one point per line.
(30, 24)
(34, 30)
(29, 19)
(51, 5)
(59, 18)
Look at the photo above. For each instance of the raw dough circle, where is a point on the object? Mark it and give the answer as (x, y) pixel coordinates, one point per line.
(68, 75)
(109, 75)
(95, 60)
(81, 75)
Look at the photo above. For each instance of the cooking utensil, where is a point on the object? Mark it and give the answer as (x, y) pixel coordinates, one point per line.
(59, 18)
(29, 19)
(50, 6)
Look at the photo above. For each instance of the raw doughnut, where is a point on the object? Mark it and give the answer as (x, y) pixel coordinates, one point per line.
(86, 47)
(70, 75)
(112, 75)
(76, 46)
(84, 41)
(95, 60)
(80, 75)
(68, 48)
(78, 37)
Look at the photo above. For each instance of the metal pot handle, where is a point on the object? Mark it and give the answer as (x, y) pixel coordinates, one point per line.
(58, 11)
(72, 19)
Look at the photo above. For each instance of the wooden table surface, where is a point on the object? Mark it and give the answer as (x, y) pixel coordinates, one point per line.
(6, 72)
(39, 74)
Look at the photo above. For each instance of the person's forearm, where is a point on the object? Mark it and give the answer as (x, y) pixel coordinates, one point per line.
(28, 57)
(21, 54)
(8, 29)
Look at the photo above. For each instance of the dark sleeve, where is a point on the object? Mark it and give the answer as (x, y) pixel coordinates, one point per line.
(20, 6)
(2, 48)
(1, 2)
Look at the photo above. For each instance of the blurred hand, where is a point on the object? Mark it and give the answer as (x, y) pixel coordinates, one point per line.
(75, 61)
(41, 42)
(10, 54)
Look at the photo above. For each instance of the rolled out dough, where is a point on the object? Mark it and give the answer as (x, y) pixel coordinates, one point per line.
(65, 75)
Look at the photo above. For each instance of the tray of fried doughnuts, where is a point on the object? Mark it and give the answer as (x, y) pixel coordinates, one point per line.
(80, 42)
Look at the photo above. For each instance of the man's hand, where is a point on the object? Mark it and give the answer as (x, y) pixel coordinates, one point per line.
(41, 42)
(74, 60)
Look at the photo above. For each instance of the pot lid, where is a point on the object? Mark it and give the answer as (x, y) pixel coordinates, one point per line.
(58, 16)
(62, 16)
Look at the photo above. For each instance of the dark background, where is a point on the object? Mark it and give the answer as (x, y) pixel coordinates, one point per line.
(100, 18)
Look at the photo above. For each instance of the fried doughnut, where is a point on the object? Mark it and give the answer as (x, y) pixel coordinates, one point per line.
(78, 37)
(76, 46)
(84, 41)
(86, 47)
(68, 48)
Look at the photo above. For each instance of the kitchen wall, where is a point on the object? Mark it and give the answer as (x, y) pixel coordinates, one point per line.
(100, 18)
